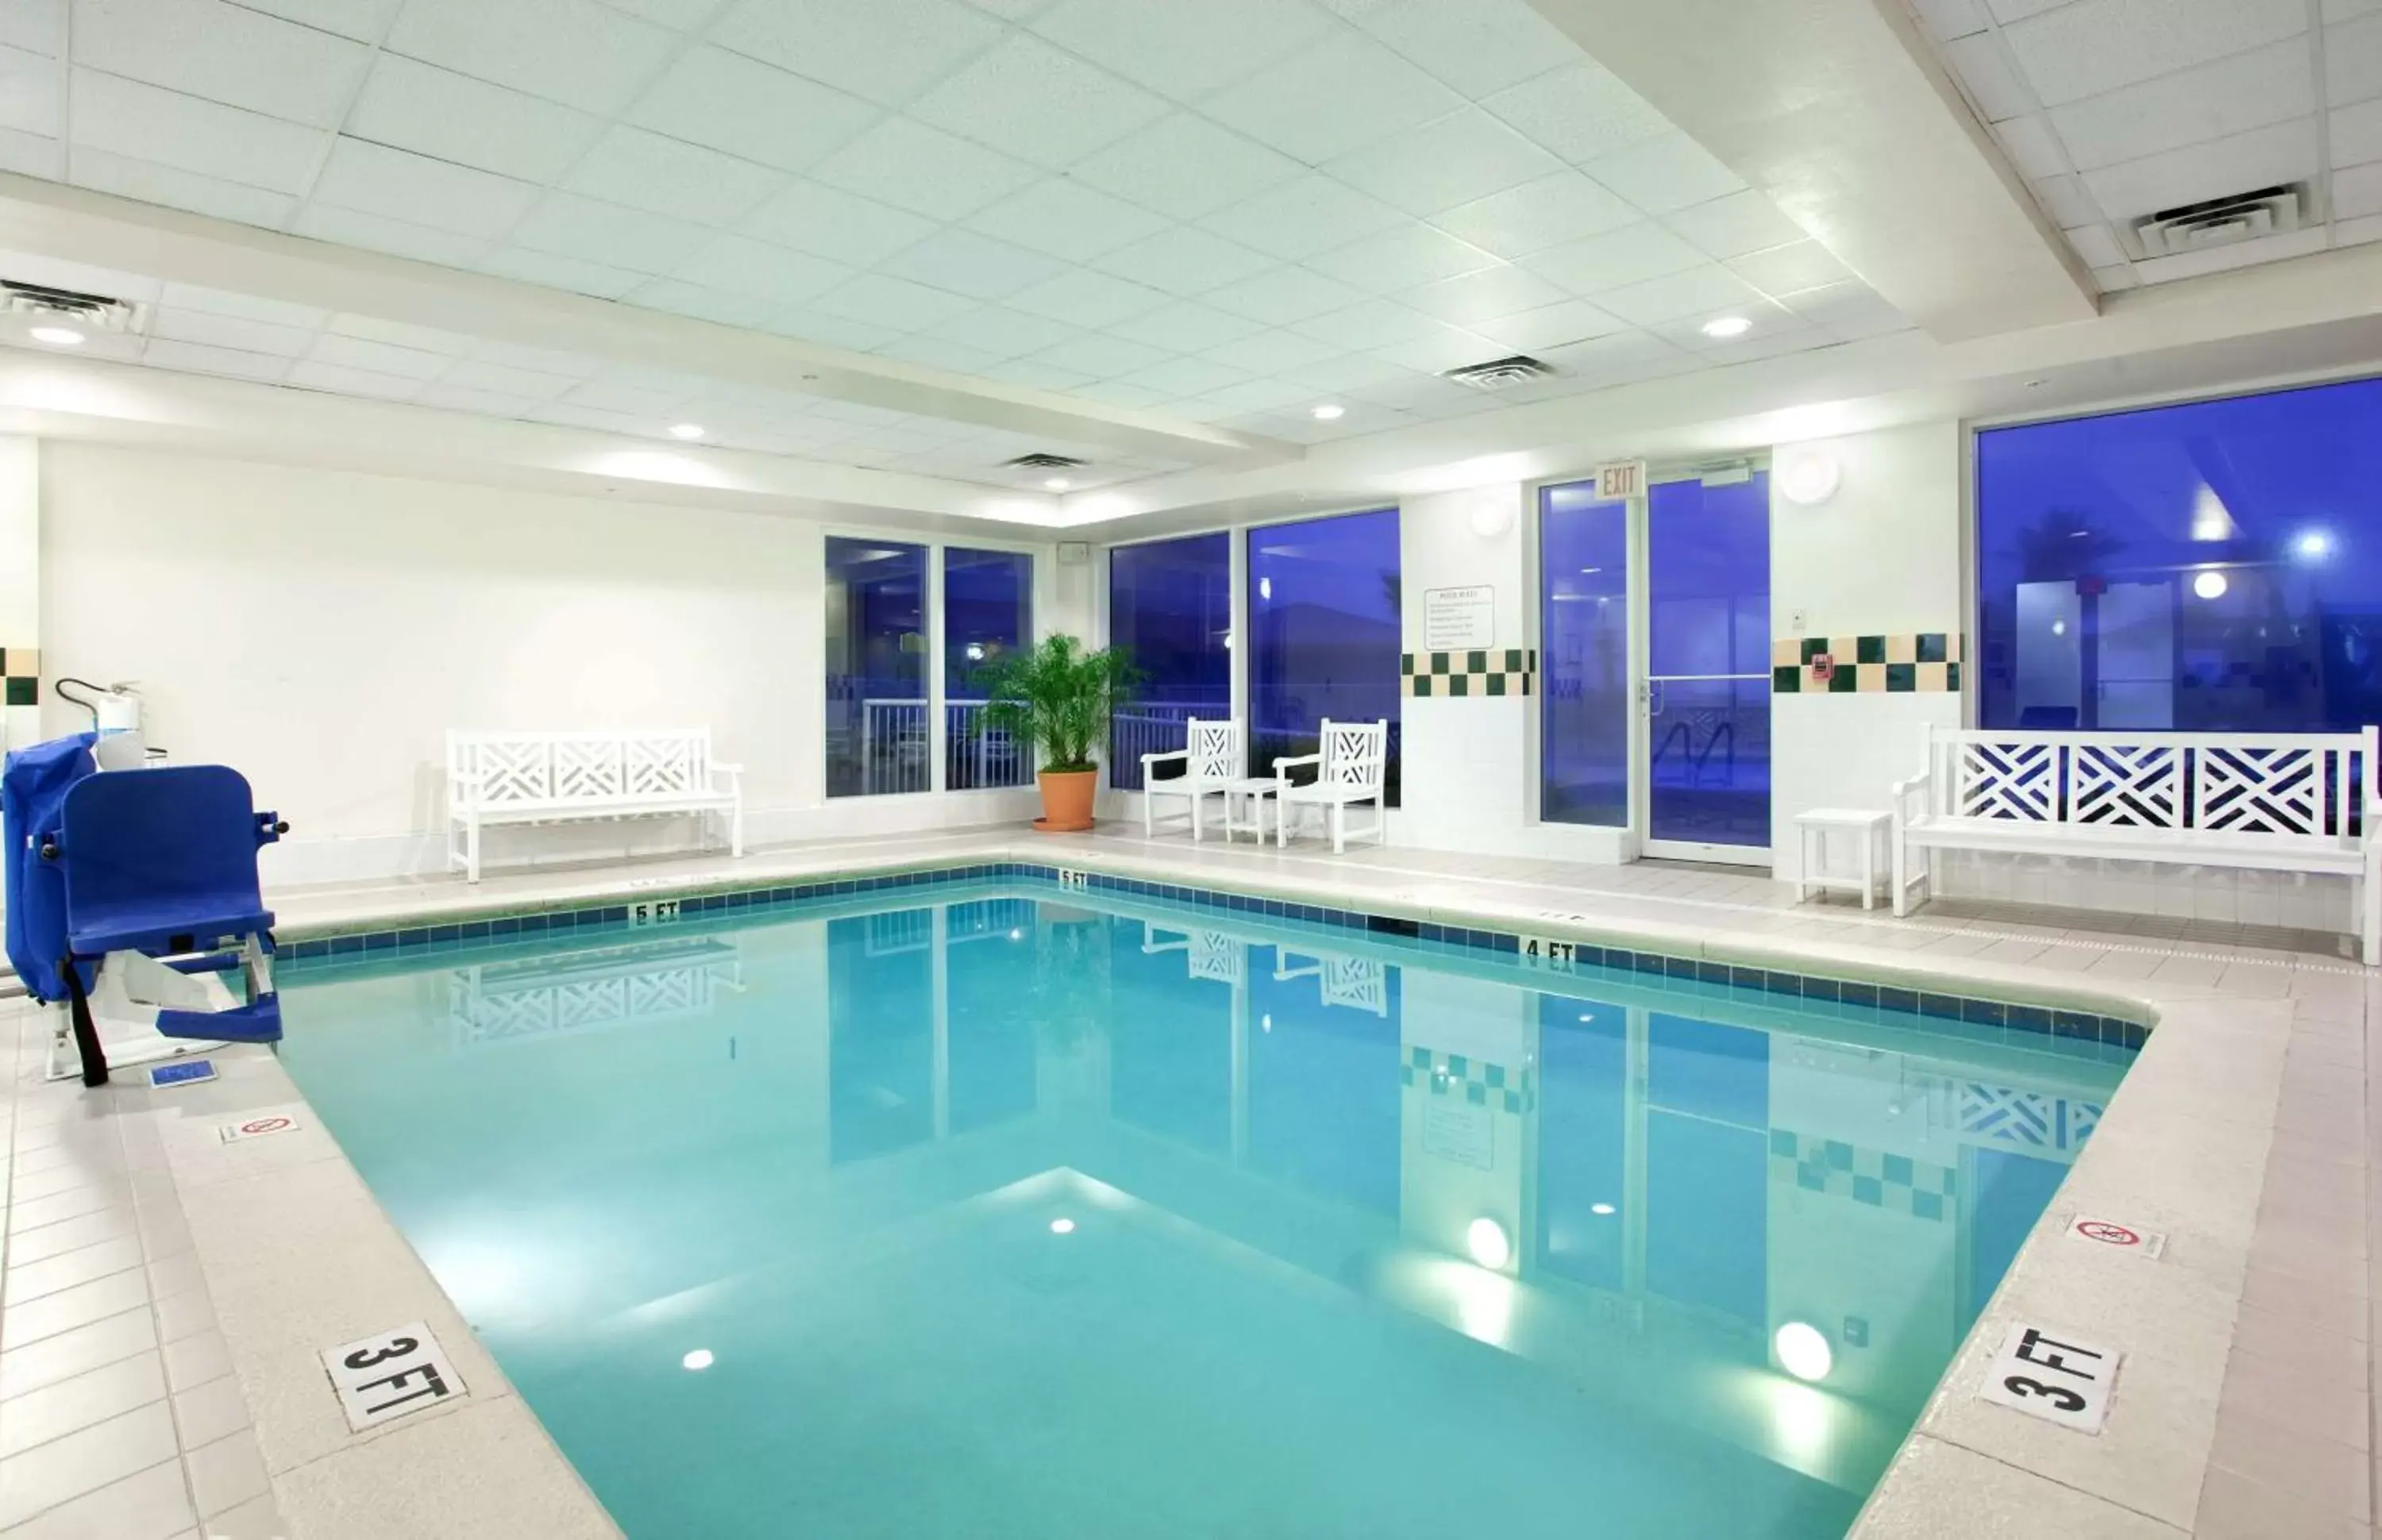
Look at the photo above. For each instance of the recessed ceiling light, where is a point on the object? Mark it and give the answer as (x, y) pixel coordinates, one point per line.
(1057, 483)
(1727, 327)
(1328, 412)
(58, 336)
(686, 430)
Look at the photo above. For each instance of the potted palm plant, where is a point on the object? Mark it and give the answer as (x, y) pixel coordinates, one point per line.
(1059, 697)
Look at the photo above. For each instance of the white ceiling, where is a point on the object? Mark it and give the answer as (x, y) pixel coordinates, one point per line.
(1222, 210)
(2115, 109)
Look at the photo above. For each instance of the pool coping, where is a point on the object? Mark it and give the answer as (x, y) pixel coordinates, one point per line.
(2181, 1147)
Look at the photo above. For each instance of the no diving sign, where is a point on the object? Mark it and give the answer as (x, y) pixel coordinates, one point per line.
(2129, 1238)
(255, 1127)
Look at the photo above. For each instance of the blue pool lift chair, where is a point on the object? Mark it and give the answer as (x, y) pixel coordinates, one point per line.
(157, 872)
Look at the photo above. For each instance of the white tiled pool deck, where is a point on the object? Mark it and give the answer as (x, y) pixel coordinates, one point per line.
(166, 1294)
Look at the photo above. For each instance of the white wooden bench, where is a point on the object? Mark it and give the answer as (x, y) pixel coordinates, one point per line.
(2269, 802)
(560, 778)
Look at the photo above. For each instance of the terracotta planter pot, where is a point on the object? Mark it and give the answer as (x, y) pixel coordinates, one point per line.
(1067, 801)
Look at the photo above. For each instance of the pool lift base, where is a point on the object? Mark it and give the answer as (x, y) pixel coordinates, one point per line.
(141, 1009)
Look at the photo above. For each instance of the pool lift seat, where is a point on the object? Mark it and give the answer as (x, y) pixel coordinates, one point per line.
(158, 870)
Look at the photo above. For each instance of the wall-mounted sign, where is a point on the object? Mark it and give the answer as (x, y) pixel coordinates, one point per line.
(2055, 1378)
(1459, 619)
(1621, 479)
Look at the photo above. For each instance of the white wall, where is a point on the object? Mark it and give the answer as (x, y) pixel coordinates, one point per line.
(1881, 556)
(20, 589)
(321, 630)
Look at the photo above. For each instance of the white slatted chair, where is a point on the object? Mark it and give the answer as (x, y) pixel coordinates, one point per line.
(562, 777)
(2271, 802)
(1211, 761)
(1349, 769)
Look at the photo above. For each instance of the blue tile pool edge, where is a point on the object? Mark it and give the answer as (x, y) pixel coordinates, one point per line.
(2079, 1025)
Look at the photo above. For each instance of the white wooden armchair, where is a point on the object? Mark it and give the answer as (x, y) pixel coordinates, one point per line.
(1350, 765)
(1211, 761)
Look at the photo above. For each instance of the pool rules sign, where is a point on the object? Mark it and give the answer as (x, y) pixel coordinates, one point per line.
(2052, 1376)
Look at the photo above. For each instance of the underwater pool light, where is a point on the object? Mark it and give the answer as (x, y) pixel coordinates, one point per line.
(1486, 1241)
(1063, 1226)
(1804, 1352)
(699, 1358)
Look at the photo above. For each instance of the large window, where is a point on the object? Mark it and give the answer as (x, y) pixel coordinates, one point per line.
(877, 726)
(1324, 633)
(988, 610)
(2213, 567)
(1171, 609)
(1584, 599)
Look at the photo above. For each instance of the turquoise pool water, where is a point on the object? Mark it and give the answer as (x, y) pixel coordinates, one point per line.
(984, 1210)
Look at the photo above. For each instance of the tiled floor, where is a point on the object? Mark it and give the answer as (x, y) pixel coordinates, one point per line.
(114, 1401)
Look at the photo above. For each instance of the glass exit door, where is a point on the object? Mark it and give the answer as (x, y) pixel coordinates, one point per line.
(1703, 787)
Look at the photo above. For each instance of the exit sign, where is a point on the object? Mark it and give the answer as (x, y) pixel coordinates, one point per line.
(1622, 479)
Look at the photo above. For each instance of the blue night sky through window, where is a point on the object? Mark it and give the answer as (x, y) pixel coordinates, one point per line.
(2215, 565)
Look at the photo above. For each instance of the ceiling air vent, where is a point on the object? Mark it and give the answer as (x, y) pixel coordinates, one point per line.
(2270, 211)
(95, 310)
(1501, 374)
(1043, 462)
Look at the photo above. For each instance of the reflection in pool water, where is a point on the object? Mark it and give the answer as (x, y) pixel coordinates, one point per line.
(1003, 1216)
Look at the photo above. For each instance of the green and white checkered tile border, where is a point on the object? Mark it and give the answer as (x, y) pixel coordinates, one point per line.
(1897, 664)
(20, 698)
(1480, 671)
(1471, 1080)
(1871, 1177)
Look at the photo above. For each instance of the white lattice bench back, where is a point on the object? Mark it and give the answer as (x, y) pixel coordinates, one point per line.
(551, 777)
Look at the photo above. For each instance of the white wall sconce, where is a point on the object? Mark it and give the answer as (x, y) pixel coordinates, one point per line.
(1808, 476)
(1491, 517)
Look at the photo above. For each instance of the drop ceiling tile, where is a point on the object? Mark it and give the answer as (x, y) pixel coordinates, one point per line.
(1184, 166)
(1272, 352)
(564, 224)
(1504, 289)
(666, 176)
(1699, 291)
(936, 352)
(1368, 327)
(1947, 20)
(1406, 257)
(152, 183)
(1185, 327)
(29, 93)
(1101, 357)
(1665, 174)
(224, 53)
(2356, 232)
(2357, 133)
(2352, 60)
(2282, 152)
(239, 306)
(628, 400)
(727, 101)
(961, 261)
(1005, 333)
(374, 232)
(2093, 46)
(1621, 358)
(924, 170)
(1283, 294)
(36, 155)
(574, 52)
(445, 397)
(571, 274)
(1850, 304)
(2249, 91)
(1477, 48)
(1301, 218)
(1580, 111)
(1258, 395)
(230, 332)
(1035, 374)
(420, 339)
(2032, 145)
(1350, 371)
(1344, 93)
(455, 117)
(1027, 99)
(1064, 218)
(2006, 11)
(1456, 159)
(35, 26)
(771, 272)
(725, 307)
(525, 384)
(538, 360)
(1182, 377)
(894, 303)
(1182, 51)
(2096, 245)
(1554, 325)
(1785, 269)
(1734, 224)
(679, 16)
(2064, 200)
(565, 414)
(1441, 348)
(125, 117)
(1184, 261)
(1086, 299)
(1538, 214)
(1614, 259)
(1986, 75)
(886, 51)
(417, 190)
(307, 374)
(2357, 191)
(191, 358)
(1116, 393)
(380, 358)
(2117, 280)
(830, 222)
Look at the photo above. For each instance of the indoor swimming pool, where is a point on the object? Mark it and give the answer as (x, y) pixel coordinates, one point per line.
(987, 1208)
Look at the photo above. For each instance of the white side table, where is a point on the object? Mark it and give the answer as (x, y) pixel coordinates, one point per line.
(1868, 833)
(1244, 806)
